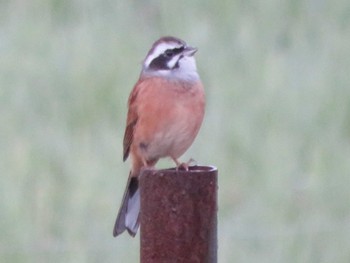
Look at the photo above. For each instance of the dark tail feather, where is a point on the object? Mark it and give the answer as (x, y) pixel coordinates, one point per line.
(128, 215)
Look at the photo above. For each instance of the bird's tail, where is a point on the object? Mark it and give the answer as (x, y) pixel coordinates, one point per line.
(128, 215)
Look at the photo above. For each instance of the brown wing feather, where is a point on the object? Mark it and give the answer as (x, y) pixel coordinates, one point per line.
(128, 137)
(131, 121)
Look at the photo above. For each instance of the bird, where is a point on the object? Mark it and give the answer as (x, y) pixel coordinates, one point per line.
(165, 112)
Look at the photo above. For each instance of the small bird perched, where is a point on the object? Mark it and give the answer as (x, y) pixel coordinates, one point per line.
(165, 112)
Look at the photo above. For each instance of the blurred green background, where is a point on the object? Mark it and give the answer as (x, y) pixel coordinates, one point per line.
(277, 78)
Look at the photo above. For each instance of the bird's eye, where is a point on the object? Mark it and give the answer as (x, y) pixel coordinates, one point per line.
(169, 53)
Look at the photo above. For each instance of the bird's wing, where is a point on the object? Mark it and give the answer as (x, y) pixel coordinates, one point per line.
(130, 121)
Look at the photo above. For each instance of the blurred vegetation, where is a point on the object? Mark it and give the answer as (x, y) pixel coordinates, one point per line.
(277, 124)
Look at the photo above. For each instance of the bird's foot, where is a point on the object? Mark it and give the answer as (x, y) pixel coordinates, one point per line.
(147, 168)
(184, 166)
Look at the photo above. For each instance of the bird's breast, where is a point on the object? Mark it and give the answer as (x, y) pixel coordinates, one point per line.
(169, 117)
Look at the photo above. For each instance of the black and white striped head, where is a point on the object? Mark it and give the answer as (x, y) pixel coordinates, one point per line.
(171, 57)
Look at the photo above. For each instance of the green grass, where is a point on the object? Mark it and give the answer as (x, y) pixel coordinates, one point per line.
(277, 124)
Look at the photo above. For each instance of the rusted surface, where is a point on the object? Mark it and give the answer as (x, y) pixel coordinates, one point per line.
(178, 215)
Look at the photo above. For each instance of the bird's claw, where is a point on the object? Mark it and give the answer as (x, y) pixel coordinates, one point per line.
(185, 166)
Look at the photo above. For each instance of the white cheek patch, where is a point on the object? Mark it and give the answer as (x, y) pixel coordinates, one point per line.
(171, 64)
(158, 51)
(187, 71)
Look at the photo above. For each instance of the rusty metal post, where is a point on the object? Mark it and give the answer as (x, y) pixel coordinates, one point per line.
(179, 215)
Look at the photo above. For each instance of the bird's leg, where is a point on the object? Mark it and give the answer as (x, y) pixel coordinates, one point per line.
(183, 166)
(176, 162)
(148, 164)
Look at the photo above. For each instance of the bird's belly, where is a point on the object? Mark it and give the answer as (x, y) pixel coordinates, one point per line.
(170, 135)
(172, 142)
(169, 120)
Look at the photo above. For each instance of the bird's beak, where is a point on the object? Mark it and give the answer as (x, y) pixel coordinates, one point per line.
(189, 51)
